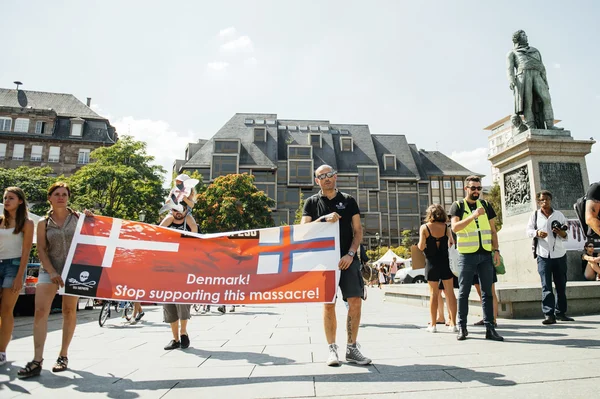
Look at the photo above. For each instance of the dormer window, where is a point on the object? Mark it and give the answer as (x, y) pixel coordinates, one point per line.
(315, 140)
(77, 127)
(389, 162)
(346, 144)
(260, 135)
(271, 122)
(40, 127)
(260, 121)
(22, 125)
(249, 121)
(227, 147)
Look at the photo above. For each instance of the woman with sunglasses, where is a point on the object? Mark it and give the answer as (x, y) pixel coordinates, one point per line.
(16, 237)
(590, 263)
(54, 235)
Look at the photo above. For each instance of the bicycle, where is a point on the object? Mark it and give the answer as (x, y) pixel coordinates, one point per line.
(120, 306)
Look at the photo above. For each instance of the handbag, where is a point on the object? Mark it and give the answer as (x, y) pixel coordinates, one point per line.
(453, 258)
(500, 268)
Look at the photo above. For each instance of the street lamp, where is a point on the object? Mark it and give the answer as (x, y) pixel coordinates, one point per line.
(377, 243)
(142, 215)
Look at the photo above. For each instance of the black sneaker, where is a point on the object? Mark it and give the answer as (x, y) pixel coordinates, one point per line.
(221, 309)
(139, 316)
(185, 341)
(172, 345)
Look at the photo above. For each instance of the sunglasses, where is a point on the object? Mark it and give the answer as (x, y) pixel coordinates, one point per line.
(589, 246)
(475, 188)
(327, 175)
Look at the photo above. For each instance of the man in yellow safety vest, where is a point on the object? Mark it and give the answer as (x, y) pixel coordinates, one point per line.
(477, 243)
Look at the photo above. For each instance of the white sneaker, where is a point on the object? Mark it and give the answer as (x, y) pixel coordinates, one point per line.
(2, 358)
(453, 329)
(431, 329)
(333, 358)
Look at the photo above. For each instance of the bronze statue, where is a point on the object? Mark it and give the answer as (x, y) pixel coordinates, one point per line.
(527, 77)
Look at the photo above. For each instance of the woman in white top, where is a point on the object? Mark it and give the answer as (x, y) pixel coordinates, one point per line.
(16, 237)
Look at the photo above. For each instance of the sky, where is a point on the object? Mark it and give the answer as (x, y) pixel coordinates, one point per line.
(170, 73)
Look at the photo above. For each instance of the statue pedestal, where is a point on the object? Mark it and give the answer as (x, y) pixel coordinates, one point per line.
(537, 160)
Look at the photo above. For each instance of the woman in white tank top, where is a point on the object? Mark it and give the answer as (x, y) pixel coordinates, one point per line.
(16, 237)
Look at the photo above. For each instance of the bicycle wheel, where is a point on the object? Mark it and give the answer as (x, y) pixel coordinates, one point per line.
(128, 311)
(104, 313)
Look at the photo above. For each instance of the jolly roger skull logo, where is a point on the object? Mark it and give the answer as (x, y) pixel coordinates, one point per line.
(84, 281)
(84, 276)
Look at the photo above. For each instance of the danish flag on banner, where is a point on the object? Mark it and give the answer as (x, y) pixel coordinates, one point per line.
(118, 259)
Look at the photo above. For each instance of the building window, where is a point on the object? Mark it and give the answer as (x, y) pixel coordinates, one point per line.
(2, 151)
(410, 223)
(227, 147)
(447, 185)
(281, 172)
(368, 177)
(77, 127)
(408, 204)
(84, 156)
(300, 172)
(260, 135)
(435, 200)
(224, 165)
(299, 152)
(263, 176)
(21, 125)
(447, 200)
(435, 184)
(458, 184)
(372, 223)
(347, 144)
(259, 121)
(389, 162)
(268, 189)
(18, 152)
(36, 153)
(315, 140)
(54, 154)
(248, 121)
(40, 127)
(5, 124)
(271, 122)
(373, 202)
(346, 181)
(288, 197)
(424, 188)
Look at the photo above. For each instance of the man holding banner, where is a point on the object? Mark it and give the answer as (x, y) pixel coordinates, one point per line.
(177, 315)
(331, 205)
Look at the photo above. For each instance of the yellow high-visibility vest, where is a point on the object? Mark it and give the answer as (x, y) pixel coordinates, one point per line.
(468, 238)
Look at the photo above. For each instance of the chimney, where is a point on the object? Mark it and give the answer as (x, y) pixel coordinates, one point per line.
(89, 101)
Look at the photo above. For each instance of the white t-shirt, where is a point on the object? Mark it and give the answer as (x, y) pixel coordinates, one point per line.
(549, 247)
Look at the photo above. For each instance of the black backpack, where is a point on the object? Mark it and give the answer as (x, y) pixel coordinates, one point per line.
(579, 207)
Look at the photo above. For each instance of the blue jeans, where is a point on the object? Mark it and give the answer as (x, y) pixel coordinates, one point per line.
(469, 265)
(557, 268)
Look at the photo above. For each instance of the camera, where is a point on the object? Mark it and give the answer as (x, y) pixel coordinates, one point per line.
(557, 225)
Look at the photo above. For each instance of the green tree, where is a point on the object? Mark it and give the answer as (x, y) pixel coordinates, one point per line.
(120, 182)
(34, 182)
(300, 210)
(233, 203)
(408, 238)
(494, 198)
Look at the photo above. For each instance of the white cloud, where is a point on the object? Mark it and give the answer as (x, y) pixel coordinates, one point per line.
(556, 66)
(217, 66)
(242, 44)
(251, 62)
(98, 109)
(227, 33)
(162, 142)
(476, 161)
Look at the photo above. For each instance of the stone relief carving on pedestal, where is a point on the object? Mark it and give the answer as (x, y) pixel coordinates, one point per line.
(517, 191)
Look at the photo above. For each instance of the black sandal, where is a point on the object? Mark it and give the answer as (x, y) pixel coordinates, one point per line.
(61, 364)
(31, 369)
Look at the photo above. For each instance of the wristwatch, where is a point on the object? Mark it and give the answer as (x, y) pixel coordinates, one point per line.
(351, 253)
(495, 250)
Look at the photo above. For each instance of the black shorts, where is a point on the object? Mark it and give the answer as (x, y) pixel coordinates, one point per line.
(476, 278)
(351, 281)
(440, 271)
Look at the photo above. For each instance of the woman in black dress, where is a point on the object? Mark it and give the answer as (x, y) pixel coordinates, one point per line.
(434, 239)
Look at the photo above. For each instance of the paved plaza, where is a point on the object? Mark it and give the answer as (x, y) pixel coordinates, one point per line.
(279, 352)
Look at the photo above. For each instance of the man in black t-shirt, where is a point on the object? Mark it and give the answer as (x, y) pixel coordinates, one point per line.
(330, 205)
(592, 207)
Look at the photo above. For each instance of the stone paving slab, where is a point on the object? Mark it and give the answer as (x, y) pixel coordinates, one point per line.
(279, 352)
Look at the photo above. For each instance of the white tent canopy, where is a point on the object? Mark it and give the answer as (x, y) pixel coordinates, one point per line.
(388, 257)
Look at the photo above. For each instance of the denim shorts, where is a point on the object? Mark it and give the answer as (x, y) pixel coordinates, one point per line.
(44, 277)
(8, 271)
